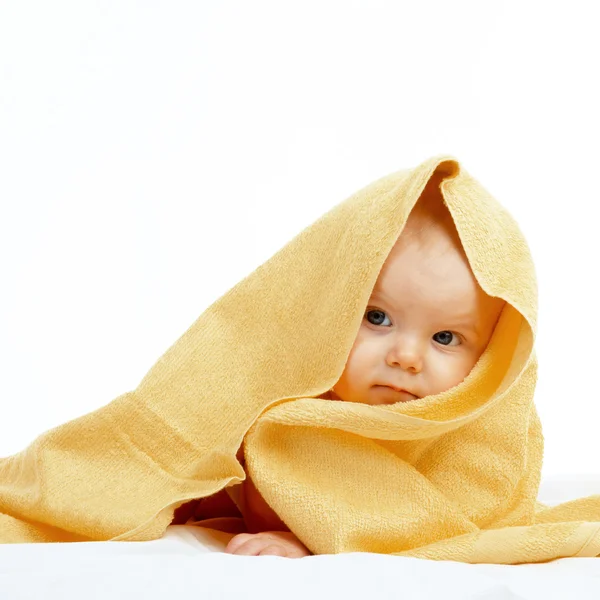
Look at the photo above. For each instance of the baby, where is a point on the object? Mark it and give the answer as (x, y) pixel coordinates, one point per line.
(426, 324)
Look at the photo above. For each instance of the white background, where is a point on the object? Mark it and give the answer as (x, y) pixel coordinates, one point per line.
(152, 154)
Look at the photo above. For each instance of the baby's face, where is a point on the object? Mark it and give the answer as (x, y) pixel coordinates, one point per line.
(426, 324)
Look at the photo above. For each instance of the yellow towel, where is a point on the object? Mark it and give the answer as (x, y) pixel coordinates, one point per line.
(452, 476)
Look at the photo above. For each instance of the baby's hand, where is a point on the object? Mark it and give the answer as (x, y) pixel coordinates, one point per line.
(273, 543)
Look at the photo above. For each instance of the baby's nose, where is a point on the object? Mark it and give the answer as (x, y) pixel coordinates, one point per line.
(407, 354)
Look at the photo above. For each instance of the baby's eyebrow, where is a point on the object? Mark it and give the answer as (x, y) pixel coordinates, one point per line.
(472, 327)
(462, 321)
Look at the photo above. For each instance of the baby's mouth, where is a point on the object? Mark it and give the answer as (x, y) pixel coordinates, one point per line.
(399, 393)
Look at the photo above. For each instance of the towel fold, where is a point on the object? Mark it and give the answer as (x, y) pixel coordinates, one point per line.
(451, 476)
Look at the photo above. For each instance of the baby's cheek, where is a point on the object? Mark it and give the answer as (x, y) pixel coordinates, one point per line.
(360, 366)
(450, 374)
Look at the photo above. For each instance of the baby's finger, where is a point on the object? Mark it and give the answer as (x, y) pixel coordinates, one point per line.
(252, 547)
(273, 550)
(237, 540)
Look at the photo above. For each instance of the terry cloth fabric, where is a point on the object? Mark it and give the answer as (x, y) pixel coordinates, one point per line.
(451, 476)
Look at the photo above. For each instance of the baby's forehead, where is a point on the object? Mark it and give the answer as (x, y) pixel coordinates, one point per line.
(424, 267)
(419, 248)
(433, 274)
(428, 231)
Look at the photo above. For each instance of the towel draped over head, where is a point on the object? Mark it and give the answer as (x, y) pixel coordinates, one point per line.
(451, 476)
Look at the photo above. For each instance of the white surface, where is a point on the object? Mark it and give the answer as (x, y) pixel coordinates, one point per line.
(188, 563)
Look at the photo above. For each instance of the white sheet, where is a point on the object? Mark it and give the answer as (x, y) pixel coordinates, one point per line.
(188, 562)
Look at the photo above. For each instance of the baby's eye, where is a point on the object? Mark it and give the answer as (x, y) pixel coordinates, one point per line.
(445, 337)
(379, 316)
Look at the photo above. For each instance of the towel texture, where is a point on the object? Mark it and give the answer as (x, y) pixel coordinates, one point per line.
(452, 476)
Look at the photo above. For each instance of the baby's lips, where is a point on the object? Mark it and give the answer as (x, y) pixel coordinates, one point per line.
(397, 391)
